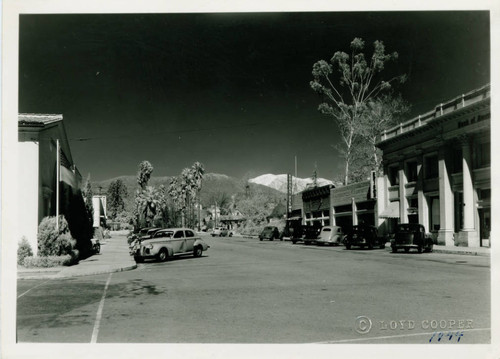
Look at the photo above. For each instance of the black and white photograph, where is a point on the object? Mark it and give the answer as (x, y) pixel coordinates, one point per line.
(223, 181)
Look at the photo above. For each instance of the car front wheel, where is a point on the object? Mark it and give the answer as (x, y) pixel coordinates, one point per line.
(163, 255)
(347, 246)
(139, 259)
(394, 250)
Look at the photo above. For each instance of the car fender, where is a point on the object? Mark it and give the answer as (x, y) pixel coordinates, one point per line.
(201, 243)
(158, 246)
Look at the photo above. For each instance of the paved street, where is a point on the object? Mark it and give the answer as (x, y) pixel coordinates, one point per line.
(246, 291)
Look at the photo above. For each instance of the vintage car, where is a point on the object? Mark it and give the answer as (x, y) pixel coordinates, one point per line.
(311, 233)
(220, 232)
(410, 235)
(363, 235)
(271, 233)
(149, 232)
(332, 235)
(293, 229)
(167, 243)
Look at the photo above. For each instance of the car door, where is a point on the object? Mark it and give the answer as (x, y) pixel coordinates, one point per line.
(178, 242)
(190, 238)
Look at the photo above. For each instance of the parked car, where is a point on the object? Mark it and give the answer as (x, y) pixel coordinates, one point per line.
(167, 243)
(270, 233)
(150, 232)
(363, 235)
(411, 235)
(219, 232)
(310, 233)
(293, 229)
(332, 235)
(96, 245)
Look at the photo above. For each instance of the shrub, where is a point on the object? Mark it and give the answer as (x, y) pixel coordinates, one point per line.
(131, 236)
(24, 250)
(47, 262)
(53, 242)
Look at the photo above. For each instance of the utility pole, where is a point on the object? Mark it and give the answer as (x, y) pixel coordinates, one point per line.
(215, 214)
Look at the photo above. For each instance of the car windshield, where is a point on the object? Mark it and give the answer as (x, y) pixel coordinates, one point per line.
(327, 229)
(408, 228)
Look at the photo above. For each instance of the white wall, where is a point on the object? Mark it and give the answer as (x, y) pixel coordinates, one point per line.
(28, 170)
(96, 203)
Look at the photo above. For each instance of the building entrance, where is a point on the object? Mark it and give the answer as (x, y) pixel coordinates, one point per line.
(484, 226)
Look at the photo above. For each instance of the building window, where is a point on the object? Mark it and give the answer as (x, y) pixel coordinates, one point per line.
(431, 168)
(411, 171)
(483, 158)
(484, 194)
(393, 175)
(434, 219)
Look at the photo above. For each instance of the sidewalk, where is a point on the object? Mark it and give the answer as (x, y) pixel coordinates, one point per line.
(114, 257)
(473, 251)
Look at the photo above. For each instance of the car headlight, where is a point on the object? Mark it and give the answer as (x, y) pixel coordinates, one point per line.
(149, 246)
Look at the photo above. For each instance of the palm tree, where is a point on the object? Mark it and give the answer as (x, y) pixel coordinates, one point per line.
(198, 172)
(148, 201)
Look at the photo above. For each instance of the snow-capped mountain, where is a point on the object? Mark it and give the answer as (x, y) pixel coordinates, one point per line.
(278, 182)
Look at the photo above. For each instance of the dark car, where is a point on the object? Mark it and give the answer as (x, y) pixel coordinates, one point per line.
(293, 229)
(270, 233)
(410, 235)
(311, 233)
(363, 235)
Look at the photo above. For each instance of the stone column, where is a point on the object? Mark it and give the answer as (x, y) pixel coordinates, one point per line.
(423, 207)
(403, 204)
(446, 215)
(468, 234)
(354, 214)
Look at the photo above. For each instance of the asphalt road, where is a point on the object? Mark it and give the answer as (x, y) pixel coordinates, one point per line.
(246, 291)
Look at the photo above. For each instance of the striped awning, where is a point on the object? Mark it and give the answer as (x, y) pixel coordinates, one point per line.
(392, 211)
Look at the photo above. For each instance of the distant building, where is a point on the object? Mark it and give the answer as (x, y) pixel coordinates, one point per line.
(316, 205)
(437, 171)
(48, 178)
(354, 204)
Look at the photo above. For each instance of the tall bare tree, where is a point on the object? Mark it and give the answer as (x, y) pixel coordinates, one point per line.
(347, 83)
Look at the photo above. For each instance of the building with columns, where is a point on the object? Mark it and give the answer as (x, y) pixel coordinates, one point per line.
(437, 171)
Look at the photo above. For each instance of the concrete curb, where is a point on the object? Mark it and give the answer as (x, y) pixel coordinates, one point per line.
(77, 274)
(469, 252)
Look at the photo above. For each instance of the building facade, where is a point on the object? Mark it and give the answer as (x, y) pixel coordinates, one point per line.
(354, 204)
(437, 171)
(48, 179)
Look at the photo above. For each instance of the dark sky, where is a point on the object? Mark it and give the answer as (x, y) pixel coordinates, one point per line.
(228, 90)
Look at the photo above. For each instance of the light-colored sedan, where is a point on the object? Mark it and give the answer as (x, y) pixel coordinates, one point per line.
(332, 235)
(167, 243)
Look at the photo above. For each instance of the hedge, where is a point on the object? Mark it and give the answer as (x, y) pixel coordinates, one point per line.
(51, 261)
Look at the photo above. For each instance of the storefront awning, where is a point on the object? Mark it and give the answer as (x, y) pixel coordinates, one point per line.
(392, 211)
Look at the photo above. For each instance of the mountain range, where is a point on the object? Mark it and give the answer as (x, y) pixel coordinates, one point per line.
(279, 182)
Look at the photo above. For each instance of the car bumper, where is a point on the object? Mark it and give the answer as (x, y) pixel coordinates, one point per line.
(395, 245)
